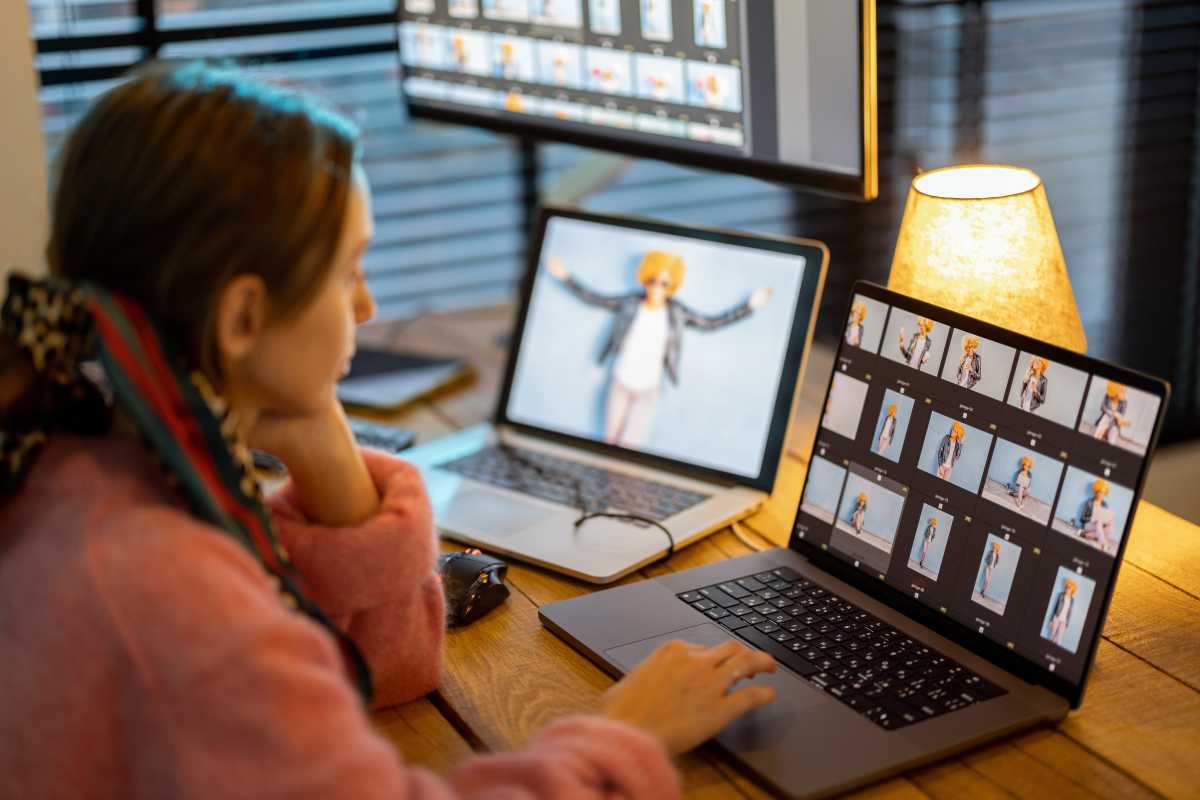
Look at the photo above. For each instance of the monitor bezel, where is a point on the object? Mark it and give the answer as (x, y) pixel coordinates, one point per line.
(942, 623)
(799, 341)
(856, 187)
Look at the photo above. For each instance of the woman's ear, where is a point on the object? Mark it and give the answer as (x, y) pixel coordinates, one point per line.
(241, 316)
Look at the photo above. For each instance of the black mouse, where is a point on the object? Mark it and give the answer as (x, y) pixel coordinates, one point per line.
(473, 584)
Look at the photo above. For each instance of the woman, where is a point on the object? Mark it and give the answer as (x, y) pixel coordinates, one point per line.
(167, 632)
(950, 449)
(647, 339)
(916, 351)
(927, 539)
(1034, 384)
(1094, 522)
(990, 562)
(970, 366)
(1060, 617)
(854, 328)
(858, 516)
(888, 431)
(1112, 414)
(1019, 488)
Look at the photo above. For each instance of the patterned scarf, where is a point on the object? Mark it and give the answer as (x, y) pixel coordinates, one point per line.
(182, 419)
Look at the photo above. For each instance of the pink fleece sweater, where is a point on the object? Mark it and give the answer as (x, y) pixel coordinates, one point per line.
(144, 654)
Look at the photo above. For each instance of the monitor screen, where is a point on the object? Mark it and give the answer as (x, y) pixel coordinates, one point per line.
(988, 477)
(639, 339)
(781, 89)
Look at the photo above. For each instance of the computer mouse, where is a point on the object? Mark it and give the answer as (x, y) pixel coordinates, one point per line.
(473, 584)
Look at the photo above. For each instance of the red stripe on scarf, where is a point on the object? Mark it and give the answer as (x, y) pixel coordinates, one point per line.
(165, 397)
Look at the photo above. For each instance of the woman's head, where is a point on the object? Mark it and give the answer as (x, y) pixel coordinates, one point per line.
(995, 547)
(891, 412)
(970, 344)
(858, 312)
(1038, 365)
(661, 274)
(1100, 487)
(1115, 391)
(1026, 462)
(1071, 587)
(933, 522)
(222, 206)
(925, 325)
(957, 431)
(862, 498)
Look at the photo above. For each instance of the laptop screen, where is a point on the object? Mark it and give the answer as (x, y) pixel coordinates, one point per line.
(987, 476)
(664, 341)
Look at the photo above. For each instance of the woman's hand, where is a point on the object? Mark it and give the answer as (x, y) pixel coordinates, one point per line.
(557, 268)
(323, 459)
(761, 297)
(681, 694)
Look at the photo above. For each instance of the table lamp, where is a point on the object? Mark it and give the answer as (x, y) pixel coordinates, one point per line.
(979, 239)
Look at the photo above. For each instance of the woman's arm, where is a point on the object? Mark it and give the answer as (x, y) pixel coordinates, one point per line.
(559, 270)
(376, 579)
(712, 322)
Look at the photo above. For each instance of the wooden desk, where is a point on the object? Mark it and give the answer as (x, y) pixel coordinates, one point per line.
(1137, 734)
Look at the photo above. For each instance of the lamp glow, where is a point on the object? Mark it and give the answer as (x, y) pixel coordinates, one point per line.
(980, 239)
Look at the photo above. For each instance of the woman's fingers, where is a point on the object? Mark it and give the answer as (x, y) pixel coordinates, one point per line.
(740, 701)
(747, 664)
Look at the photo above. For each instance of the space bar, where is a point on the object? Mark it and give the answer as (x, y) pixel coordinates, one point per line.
(784, 656)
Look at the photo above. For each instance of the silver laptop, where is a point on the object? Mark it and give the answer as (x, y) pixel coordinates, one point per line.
(646, 399)
(966, 508)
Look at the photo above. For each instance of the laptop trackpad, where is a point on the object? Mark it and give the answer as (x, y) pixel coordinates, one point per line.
(755, 730)
(480, 511)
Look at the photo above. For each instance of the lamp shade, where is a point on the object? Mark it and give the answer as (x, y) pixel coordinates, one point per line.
(980, 239)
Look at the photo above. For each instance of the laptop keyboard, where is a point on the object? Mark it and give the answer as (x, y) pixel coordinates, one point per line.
(877, 670)
(571, 483)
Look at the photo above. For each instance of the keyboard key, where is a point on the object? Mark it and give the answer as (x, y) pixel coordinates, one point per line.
(754, 601)
(703, 605)
(767, 627)
(765, 577)
(782, 637)
(782, 654)
(753, 619)
(690, 597)
(716, 613)
(733, 623)
(733, 590)
(787, 574)
(740, 611)
(718, 597)
(779, 586)
(751, 584)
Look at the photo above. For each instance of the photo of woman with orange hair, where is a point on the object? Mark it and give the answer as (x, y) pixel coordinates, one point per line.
(1093, 510)
(1034, 384)
(970, 365)
(646, 339)
(891, 426)
(854, 328)
(917, 347)
(950, 450)
(978, 364)
(1070, 598)
(997, 568)
(1048, 389)
(1119, 415)
(915, 341)
(1022, 480)
(955, 451)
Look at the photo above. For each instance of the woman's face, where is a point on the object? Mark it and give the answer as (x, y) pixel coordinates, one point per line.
(658, 288)
(297, 362)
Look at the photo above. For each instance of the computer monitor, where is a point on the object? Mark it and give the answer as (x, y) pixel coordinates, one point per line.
(777, 89)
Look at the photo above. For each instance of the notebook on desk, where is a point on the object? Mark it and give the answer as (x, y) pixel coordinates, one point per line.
(956, 544)
(646, 397)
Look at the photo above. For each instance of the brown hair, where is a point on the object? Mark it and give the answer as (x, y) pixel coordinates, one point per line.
(186, 176)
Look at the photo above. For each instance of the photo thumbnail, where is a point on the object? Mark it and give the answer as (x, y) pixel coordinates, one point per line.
(1093, 510)
(869, 512)
(916, 341)
(954, 451)
(864, 326)
(891, 427)
(1022, 480)
(978, 364)
(1047, 389)
(994, 578)
(1119, 414)
(822, 489)
(844, 406)
(929, 546)
(1067, 609)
